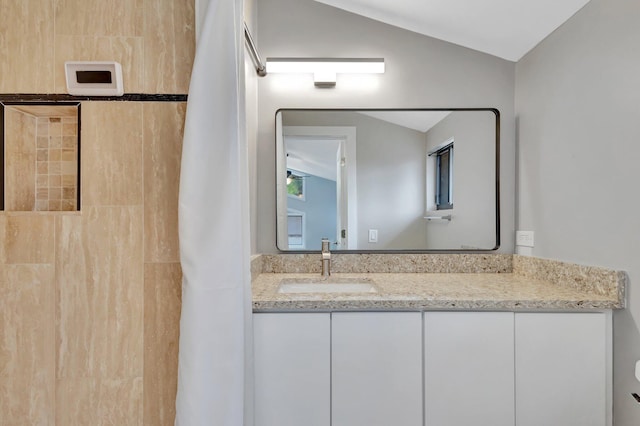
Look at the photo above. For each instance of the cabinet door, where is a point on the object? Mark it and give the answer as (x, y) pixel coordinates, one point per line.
(376, 369)
(561, 369)
(292, 369)
(469, 368)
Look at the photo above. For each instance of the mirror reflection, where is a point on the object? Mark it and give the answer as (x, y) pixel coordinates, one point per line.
(388, 180)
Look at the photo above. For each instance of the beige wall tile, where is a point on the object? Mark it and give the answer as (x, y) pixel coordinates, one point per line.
(163, 129)
(3, 239)
(97, 402)
(111, 153)
(99, 17)
(162, 304)
(27, 364)
(83, 320)
(29, 238)
(128, 51)
(169, 45)
(100, 291)
(26, 57)
(20, 160)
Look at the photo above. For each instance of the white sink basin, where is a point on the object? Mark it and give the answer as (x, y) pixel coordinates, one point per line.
(329, 285)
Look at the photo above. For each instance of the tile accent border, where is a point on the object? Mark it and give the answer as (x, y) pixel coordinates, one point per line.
(127, 97)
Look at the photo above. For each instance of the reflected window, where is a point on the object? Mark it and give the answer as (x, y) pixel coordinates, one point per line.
(444, 178)
(295, 185)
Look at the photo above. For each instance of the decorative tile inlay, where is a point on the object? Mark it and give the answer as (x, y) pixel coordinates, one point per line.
(41, 171)
(57, 171)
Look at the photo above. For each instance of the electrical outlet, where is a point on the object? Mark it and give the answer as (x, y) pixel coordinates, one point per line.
(524, 238)
(373, 235)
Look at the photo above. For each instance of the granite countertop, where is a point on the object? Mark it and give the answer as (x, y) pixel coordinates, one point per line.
(528, 284)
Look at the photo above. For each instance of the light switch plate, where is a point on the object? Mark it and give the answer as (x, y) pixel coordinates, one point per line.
(638, 370)
(373, 235)
(524, 238)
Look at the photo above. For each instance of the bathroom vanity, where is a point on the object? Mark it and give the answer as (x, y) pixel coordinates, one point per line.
(501, 340)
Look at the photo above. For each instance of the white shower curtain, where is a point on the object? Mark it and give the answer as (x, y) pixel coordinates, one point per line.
(214, 221)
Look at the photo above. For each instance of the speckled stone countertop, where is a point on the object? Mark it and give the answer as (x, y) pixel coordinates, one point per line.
(526, 284)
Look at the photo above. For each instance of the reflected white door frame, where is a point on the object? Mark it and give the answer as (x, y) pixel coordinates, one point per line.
(347, 191)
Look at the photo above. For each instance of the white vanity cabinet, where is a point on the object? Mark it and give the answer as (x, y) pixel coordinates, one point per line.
(469, 371)
(292, 369)
(452, 369)
(340, 369)
(562, 369)
(376, 369)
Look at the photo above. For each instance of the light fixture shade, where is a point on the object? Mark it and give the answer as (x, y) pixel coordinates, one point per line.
(325, 69)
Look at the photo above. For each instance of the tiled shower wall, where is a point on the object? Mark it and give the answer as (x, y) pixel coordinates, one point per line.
(20, 171)
(90, 300)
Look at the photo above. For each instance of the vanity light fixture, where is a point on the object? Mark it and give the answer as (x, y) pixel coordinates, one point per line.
(324, 70)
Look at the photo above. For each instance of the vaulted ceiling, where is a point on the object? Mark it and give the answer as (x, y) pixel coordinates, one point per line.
(504, 28)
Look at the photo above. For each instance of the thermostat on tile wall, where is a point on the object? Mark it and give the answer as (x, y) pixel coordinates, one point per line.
(94, 78)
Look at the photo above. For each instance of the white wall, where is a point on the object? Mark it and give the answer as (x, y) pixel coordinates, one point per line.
(421, 72)
(251, 110)
(578, 111)
(474, 202)
(390, 177)
(391, 186)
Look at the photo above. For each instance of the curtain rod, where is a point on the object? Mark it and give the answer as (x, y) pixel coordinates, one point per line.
(253, 51)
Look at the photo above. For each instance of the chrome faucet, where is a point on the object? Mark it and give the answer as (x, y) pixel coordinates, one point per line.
(326, 258)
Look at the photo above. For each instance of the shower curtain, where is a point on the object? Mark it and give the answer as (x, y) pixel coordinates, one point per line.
(213, 226)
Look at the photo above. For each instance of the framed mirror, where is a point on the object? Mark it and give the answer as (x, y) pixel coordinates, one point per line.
(391, 180)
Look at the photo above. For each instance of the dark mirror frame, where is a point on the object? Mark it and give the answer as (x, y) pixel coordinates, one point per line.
(391, 251)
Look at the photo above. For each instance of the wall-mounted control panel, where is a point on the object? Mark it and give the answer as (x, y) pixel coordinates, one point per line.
(94, 78)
